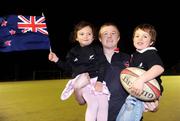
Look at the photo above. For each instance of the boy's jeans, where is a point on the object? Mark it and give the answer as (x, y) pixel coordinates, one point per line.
(132, 110)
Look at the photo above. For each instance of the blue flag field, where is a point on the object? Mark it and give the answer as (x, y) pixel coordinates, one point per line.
(19, 33)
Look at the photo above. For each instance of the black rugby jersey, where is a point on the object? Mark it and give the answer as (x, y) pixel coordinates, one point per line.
(85, 59)
(145, 59)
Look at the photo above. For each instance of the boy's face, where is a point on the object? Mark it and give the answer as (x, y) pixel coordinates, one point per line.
(85, 36)
(142, 39)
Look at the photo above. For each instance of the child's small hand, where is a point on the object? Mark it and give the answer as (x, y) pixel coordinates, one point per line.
(52, 57)
(98, 86)
(137, 87)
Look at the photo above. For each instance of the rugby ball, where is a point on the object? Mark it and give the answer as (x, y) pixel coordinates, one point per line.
(151, 90)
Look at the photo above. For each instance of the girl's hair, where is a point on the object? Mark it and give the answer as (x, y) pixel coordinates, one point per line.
(149, 29)
(81, 25)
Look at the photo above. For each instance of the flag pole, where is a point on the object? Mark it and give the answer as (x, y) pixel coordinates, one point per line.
(50, 50)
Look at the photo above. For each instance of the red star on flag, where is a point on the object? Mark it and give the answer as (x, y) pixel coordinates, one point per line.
(12, 32)
(4, 23)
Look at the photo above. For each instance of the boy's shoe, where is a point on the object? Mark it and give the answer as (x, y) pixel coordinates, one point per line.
(68, 90)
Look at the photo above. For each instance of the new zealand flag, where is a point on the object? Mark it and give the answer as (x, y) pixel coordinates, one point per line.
(18, 33)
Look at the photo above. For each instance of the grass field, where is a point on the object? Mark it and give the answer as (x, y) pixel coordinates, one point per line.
(39, 101)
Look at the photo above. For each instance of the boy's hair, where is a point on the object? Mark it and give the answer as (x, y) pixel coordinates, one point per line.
(149, 29)
(81, 25)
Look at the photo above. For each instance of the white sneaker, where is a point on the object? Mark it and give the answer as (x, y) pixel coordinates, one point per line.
(68, 90)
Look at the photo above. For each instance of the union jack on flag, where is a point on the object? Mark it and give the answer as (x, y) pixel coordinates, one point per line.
(33, 24)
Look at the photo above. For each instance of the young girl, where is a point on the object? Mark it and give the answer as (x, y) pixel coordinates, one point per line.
(145, 57)
(86, 60)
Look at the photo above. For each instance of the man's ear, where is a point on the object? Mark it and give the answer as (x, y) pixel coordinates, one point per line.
(151, 43)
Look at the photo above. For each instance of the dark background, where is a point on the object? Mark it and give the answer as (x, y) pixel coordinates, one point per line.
(61, 18)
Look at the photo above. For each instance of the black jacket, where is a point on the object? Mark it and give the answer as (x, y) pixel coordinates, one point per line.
(85, 59)
(112, 78)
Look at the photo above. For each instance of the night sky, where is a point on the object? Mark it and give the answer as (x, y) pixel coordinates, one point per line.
(61, 19)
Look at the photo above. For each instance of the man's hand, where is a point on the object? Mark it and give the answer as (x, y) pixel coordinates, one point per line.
(151, 106)
(98, 86)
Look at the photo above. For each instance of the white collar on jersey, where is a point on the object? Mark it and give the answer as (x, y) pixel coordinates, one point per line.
(148, 48)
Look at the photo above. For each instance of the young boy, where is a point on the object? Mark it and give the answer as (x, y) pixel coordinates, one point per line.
(146, 58)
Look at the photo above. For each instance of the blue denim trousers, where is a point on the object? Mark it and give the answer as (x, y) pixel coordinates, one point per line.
(132, 110)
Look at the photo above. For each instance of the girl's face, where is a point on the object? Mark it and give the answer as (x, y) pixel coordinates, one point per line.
(85, 36)
(141, 39)
(109, 37)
